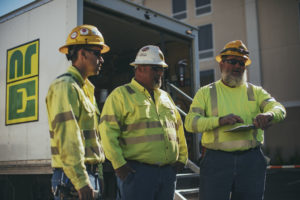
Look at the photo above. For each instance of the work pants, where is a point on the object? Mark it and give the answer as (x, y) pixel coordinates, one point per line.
(59, 178)
(149, 182)
(232, 175)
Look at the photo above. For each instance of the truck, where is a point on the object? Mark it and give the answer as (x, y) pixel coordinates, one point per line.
(29, 61)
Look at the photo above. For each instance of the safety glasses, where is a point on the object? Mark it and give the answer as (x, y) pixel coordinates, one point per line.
(157, 68)
(234, 61)
(97, 53)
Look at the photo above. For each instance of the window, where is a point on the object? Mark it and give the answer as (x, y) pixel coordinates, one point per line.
(11, 5)
(179, 9)
(207, 77)
(205, 41)
(203, 6)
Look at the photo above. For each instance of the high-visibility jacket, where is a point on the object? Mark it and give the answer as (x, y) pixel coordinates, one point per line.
(134, 127)
(216, 100)
(73, 118)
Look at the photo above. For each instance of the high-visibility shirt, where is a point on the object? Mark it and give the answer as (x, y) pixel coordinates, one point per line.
(134, 127)
(73, 118)
(216, 100)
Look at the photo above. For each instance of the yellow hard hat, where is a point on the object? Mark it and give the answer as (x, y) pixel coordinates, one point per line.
(149, 54)
(85, 34)
(235, 48)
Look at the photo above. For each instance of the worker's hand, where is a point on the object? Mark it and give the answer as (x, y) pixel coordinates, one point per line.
(123, 171)
(230, 120)
(86, 193)
(263, 120)
(178, 166)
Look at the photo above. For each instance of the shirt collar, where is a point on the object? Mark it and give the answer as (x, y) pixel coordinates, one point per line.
(142, 88)
(76, 74)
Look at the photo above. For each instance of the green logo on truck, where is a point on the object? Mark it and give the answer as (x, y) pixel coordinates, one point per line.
(22, 83)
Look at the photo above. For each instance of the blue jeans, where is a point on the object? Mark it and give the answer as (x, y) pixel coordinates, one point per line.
(60, 177)
(232, 175)
(149, 182)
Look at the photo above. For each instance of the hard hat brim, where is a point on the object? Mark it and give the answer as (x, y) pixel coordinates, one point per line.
(135, 64)
(64, 49)
(219, 57)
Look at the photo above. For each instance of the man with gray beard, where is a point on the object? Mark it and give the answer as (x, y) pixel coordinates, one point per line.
(142, 132)
(232, 114)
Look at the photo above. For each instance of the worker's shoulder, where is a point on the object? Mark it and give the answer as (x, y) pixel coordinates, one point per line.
(64, 79)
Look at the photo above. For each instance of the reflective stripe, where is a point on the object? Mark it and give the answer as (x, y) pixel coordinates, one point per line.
(214, 100)
(229, 145)
(198, 110)
(62, 117)
(177, 125)
(51, 134)
(142, 139)
(54, 151)
(89, 134)
(109, 118)
(90, 151)
(129, 89)
(141, 125)
(265, 102)
(194, 124)
(250, 92)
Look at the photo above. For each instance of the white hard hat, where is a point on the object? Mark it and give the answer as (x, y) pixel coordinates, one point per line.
(149, 54)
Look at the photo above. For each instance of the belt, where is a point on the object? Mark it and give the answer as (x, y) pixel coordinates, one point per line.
(151, 165)
(204, 149)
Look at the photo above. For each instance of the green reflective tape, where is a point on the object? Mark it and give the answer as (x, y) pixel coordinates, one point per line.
(144, 138)
(62, 117)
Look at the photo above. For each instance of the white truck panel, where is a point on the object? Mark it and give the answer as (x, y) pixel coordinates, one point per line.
(50, 23)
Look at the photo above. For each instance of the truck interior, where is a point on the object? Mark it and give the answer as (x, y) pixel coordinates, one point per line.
(126, 36)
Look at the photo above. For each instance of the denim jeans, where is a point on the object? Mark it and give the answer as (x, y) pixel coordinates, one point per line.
(149, 182)
(60, 177)
(232, 175)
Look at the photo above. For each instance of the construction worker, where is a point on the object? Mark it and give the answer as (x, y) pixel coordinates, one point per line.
(233, 165)
(73, 118)
(142, 132)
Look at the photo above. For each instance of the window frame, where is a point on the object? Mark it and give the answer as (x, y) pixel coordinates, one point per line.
(201, 7)
(206, 50)
(180, 12)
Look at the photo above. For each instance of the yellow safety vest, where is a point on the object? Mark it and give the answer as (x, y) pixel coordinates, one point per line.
(134, 127)
(216, 100)
(73, 119)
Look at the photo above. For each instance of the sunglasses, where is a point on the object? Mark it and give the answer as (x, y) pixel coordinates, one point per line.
(97, 53)
(157, 68)
(234, 61)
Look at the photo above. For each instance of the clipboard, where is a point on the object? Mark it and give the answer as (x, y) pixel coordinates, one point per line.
(242, 128)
